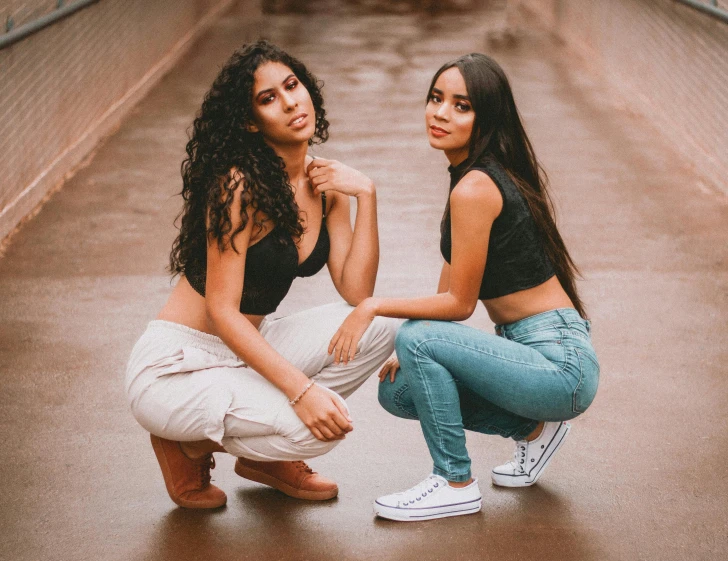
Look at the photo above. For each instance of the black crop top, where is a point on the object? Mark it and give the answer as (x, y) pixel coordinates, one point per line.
(271, 265)
(516, 256)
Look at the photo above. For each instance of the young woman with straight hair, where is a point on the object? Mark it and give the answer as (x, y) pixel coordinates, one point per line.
(501, 246)
(212, 373)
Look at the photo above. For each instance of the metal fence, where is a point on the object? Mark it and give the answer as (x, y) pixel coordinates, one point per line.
(14, 33)
(714, 8)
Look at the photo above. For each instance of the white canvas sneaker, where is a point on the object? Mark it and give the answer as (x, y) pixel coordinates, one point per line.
(531, 458)
(433, 498)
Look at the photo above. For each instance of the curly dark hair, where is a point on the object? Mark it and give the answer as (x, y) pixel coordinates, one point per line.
(220, 143)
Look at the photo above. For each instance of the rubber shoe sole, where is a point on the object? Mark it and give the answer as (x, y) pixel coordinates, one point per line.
(282, 486)
(521, 480)
(416, 515)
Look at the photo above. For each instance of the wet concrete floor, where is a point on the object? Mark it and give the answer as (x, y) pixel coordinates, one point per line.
(643, 475)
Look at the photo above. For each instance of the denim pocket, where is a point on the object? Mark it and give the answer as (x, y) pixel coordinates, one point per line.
(547, 342)
(396, 398)
(586, 389)
(576, 335)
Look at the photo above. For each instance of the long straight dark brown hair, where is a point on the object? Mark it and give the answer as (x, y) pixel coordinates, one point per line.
(499, 134)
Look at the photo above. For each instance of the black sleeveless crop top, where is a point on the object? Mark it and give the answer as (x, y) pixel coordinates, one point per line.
(270, 269)
(516, 256)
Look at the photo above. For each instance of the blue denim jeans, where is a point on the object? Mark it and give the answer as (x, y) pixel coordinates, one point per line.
(454, 377)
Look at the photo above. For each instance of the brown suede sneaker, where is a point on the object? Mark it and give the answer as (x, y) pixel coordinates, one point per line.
(295, 479)
(187, 480)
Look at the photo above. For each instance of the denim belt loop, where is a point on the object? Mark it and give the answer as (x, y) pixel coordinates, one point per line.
(562, 316)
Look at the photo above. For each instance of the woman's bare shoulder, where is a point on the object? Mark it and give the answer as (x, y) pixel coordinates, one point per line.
(477, 188)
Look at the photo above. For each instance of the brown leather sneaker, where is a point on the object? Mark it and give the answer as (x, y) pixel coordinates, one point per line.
(187, 480)
(295, 479)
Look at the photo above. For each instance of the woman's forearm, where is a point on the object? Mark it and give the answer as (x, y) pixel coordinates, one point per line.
(360, 268)
(444, 306)
(248, 344)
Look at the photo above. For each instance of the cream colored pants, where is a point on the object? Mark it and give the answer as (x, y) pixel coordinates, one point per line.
(186, 385)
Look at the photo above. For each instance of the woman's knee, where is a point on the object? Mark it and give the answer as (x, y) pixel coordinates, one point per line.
(385, 395)
(394, 397)
(409, 336)
(382, 331)
(311, 447)
(277, 447)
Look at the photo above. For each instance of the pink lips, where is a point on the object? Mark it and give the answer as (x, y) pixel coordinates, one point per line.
(298, 121)
(437, 131)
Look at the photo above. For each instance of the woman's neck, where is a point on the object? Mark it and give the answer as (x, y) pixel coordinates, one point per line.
(456, 157)
(294, 157)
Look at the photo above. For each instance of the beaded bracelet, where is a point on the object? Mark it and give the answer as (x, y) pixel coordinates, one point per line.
(300, 395)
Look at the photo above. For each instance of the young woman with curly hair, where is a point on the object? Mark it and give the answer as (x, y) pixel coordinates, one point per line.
(501, 246)
(211, 373)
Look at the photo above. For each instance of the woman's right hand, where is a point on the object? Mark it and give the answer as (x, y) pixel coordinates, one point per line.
(324, 414)
(326, 175)
(390, 367)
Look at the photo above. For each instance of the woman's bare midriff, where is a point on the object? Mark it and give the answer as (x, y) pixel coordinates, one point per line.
(526, 303)
(186, 307)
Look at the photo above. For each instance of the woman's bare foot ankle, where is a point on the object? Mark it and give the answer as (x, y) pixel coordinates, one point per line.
(536, 432)
(460, 484)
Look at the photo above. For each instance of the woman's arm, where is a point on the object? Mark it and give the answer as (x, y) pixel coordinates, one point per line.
(391, 365)
(322, 414)
(354, 255)
(474, 204)
(444, 283)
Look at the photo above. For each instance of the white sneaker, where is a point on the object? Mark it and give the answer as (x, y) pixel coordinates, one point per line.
(531, 458)
(433, 498)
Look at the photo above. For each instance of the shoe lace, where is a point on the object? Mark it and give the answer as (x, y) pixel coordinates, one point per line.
(203, 470)
(420, 491)
(303, 466)
(519, 456)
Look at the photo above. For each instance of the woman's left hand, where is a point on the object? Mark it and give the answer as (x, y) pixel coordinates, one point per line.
(390, 367)
(332, 175)
(344, 342)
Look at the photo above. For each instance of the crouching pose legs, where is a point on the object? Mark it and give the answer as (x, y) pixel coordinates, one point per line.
(522, 383)
(195, 397)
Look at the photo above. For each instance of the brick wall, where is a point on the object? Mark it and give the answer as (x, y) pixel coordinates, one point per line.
(65, 87)
(668, 61)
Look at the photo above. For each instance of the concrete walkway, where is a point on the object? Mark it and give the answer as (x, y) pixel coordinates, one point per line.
(643, 475)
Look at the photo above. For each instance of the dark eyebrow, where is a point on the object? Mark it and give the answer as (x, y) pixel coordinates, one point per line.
(456, 96)
(272, 89)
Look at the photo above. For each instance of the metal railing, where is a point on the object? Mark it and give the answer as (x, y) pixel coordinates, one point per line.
(709, 7)
(15, 34)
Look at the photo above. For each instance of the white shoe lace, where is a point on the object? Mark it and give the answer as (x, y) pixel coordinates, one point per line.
(519, 456)
(420, 491)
